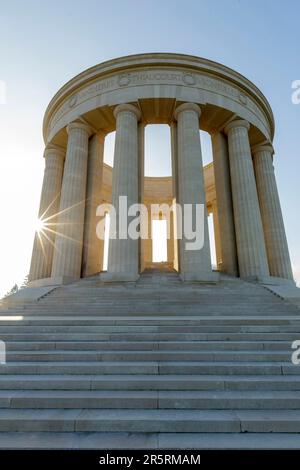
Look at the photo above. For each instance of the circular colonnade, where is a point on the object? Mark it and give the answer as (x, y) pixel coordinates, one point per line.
(187, 93)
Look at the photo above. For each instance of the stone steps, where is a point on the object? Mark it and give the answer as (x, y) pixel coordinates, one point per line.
(148, 367)
(145, 356)
(125, 302)
(148, 420)
(148, 345)
(161, 440)
(150, 361)
(114, 337)
(150, 306)
(149, 382)
(141, 321)
(135, 399)
(17, 315)
(209, 336)
(115, 329)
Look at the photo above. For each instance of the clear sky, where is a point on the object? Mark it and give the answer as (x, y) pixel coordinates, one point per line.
(45, 43)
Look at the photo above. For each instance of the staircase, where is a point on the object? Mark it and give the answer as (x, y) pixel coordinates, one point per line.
(152, 364)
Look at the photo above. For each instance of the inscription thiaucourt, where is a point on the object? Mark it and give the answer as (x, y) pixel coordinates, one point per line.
(154, 77)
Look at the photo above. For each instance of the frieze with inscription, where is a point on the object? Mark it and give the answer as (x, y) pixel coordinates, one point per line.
(146, 77)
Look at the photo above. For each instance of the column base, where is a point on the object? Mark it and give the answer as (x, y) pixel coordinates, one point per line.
(222, 270)
(211, 277)
(118, 277)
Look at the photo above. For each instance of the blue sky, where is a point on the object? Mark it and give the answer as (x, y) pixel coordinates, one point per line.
(44, 44)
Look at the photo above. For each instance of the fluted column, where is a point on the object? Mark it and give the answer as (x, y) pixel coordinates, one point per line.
(170, 239)
(147, 243)
(224, 209)
(123, 262)
(92, 256)
(141, 185)
(275, 237)
(252, 257)
(42, 253)
(174, 215)
(218, 243)
(69, 239)
(194, 264)
(174, 158)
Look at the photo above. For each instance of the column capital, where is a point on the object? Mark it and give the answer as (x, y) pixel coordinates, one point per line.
(52, 148)
(237, 123)
(101, 134)
(187, 107)
(142, 124)
(127, 107)
(79, 125)
(267, 147)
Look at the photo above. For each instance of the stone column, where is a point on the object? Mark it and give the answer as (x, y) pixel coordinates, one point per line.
(141, 159)
(141, 182)
(224, 212)
(275, 237)
(69, 239)
(218, 242)
(252, 257)
(42, 254)
(174, 215)
(194, 264)
(147, 244)
(174, 158)
(123, 262)
(170, 240)
(92, 257)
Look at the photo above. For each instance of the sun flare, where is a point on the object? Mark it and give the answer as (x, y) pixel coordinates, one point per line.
(39, 225)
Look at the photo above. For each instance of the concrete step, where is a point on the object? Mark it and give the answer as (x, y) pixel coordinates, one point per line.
(111, 399)
(206, 290)
(198, 313)
(140, 440)
(156, 290)
(142, 299)
(149, 321)
(160, 308)
(295, 329)
(151, 299)
(149, 382)
(148, 367)
(150, 307)
(141, 420)
(151, 336)
(138, 356)
(149, 345)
